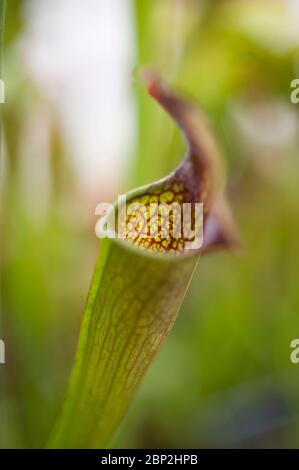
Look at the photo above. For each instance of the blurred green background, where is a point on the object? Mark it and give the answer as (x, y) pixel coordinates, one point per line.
(224, 377)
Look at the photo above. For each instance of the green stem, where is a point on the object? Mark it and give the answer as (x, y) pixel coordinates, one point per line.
(2, 17)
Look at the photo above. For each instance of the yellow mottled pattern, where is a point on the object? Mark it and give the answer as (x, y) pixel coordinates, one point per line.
(155, 222)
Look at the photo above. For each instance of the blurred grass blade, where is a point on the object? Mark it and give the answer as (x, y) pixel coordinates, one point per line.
(137, 289)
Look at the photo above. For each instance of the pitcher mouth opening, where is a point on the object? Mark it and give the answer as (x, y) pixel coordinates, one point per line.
(159, 222)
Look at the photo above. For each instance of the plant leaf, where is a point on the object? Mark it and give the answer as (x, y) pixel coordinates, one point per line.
(138, 287)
